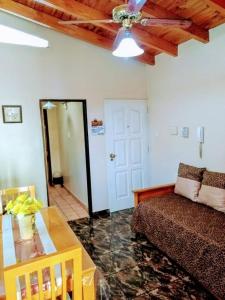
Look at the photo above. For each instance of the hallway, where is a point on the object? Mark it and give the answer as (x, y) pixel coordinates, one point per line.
(70, 207)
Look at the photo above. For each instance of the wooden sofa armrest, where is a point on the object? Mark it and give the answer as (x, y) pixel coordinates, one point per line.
(144, 194)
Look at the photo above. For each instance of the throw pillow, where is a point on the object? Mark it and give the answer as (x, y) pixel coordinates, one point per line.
(212, 192)
(189, 181)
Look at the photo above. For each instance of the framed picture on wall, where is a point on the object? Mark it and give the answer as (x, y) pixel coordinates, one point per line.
(12, 113)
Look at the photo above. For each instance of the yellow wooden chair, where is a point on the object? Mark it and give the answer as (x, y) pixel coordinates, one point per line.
(11, 193)
(23, 271)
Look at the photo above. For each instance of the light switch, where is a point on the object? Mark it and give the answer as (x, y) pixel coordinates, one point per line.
(185, 132)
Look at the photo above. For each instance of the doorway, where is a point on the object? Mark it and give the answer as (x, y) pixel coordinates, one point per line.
(66, 150)
(127, 150)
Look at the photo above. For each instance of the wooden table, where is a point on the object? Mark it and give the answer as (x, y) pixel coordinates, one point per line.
(63, 237)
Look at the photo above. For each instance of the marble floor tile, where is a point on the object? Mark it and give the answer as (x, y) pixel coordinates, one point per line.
(131, 266)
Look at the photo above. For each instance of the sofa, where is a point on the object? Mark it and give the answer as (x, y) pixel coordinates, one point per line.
(191, 233)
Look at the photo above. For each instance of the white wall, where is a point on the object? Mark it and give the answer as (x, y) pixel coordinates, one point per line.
(54, 140)
(72, 149)
(67, 69)
(188, 91)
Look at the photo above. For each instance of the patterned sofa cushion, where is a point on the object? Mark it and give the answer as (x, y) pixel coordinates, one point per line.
(212, 192)
(189, 181)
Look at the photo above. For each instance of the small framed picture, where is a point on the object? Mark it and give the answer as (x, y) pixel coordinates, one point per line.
(97, 127)
(12, 113)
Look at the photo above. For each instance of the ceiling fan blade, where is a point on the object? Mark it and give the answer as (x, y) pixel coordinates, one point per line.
(77, 22)
(120, 35)
(135, 5)
(166, 22)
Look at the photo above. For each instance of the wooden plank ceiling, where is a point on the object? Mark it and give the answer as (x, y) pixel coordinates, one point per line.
(204, 14)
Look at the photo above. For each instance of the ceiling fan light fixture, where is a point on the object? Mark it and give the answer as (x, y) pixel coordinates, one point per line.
(48, 105)
(127, 47)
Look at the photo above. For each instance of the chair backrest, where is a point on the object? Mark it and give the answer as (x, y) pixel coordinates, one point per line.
(31, 277)
(11, 193)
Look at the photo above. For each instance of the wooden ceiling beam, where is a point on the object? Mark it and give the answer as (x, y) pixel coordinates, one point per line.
(194, 31)
(219, 5)
(84, 12)
(154, 10)
(75, 31)
(145, 58)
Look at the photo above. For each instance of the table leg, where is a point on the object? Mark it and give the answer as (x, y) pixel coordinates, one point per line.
(89, 286)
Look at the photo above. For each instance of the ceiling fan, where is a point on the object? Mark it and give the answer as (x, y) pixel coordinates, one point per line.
(127, 15)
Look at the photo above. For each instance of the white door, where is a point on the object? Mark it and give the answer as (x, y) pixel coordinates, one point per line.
(127, 150)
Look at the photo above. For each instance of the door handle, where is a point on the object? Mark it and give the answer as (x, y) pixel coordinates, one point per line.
(112, 156)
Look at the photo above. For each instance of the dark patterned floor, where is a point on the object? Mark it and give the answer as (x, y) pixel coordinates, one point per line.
(133, 267)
